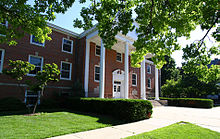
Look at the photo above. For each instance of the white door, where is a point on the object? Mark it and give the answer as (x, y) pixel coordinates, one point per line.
(117, 89)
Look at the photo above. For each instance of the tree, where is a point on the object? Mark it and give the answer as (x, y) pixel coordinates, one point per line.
(169, 70)
(29, 18)
(160, 23)
(18, 69)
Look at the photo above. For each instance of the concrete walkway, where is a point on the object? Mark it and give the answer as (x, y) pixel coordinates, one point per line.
(162, 116)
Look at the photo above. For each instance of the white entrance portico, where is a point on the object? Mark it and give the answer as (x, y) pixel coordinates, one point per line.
(120, 78)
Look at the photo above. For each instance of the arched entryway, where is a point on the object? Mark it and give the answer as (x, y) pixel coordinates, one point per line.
(118, 83)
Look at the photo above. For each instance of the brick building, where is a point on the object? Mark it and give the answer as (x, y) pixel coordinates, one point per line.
(83, 58)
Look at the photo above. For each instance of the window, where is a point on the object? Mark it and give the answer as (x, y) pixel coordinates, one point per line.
(149, 83)
(2, 52)
(148, 69)
(31, 98)
(67, 46)
(33, 41)
(134, 79)
(119, 57)
(65, 70)
(97, 73)
(97, 50)
(38, 62)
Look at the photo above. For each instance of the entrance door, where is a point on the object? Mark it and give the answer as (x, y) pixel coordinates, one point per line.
(117, 89)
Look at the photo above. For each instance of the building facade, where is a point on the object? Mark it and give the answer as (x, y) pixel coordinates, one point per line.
(81, 58)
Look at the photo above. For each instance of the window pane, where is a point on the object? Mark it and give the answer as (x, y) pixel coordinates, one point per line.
(0, 55)
(65, 74)
(65, 66)
(118, 58)
(98, 50)
(97, 69)
(31, 100)
(97, 77)
(35, 41)
(67, 45)
(35, 61)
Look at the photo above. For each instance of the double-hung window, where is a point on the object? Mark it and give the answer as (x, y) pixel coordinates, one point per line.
(67, 46)
(149, 83)
(148, 69)
(35, 42)
(134, 79)
(98, 50)
(31, 98)
(65, 70)
(97, 73)
(119, 57)
(2, 52)
(38, 62)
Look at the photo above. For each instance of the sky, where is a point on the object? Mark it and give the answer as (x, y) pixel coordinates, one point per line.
(66, 21)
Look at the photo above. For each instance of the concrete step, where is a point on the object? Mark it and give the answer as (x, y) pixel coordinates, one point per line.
(158, 103)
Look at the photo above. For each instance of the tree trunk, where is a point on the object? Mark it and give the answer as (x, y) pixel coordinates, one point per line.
(38, 97)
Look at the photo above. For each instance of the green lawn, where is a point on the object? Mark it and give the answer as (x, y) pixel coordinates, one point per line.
(50, 124)
(180, 130)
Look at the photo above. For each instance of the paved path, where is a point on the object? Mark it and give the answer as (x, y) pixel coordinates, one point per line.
(162, 116)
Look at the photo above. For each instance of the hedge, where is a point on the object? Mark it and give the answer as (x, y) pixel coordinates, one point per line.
(125, 109)
(11, 104)
(189, 102)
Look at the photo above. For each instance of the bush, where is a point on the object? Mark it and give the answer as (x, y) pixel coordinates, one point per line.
(189, 102)
(125, 109)
(11, 104)
(49, 103)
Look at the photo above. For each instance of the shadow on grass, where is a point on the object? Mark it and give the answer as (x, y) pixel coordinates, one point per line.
(104, 119)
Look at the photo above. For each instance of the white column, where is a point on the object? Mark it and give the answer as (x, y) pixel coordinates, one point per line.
(126, 71)
(156, 84)
(102, 72)
(86, 75)
(143, 80)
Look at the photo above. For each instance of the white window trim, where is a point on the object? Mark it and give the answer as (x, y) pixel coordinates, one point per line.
(94, 73)
(2, 59)
(150, 83)
(71, 46)
(150, 69)
(121, 57)
(70, 70)
(25, 98)
(95, 51)
(42, 63)
(35, 42)
(135, 79)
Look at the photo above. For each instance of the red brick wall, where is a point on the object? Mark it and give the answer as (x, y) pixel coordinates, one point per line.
(51, 53)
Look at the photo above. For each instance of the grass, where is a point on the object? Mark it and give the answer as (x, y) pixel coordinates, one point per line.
(181, 130)
(50, 124)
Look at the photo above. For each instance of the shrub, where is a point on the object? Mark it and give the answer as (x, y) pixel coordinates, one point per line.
(49, 103)
(189, 102)
(125, 109)
(11, 104)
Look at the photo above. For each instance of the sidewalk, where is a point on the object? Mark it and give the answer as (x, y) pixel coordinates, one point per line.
(162, 116)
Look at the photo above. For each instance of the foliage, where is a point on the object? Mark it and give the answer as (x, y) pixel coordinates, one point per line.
(169, 70)
(50, 124)
(25, 17)
(18, 69)
(189, 102)
(179, 130)
(123, 109)
(158, 25)
(11, 104)
(188, 86)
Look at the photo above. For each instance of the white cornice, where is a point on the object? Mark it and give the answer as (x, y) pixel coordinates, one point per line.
(62, 30)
